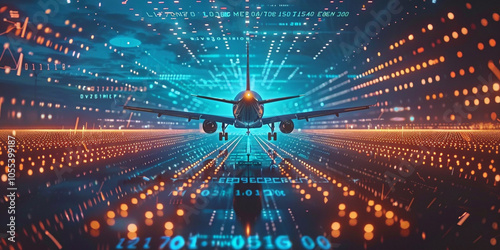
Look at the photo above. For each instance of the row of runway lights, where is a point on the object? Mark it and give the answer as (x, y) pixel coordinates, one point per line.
(404, 225)
(74, 158)
(71, 216)
(422, 157)
(132, 228)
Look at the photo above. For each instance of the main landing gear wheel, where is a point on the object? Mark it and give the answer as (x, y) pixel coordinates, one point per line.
(271, 136)
(223, 136)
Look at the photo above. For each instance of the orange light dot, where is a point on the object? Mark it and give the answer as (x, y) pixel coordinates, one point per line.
(451, 16)
(492, 42)
(368, 236)
(404, 224)
(389, 215)
(496, 17)
(353, 215)
(132, 228)
(460, 54)
(480, 46)
(95, 225)
(484, 22)
(464, 31)
(368, 228)
(496, 86)
(123, 207)
(180, 212)
(485, 88)
(148, 214)
(335, 226)
(110, 214)
(341, 206)
(169, 225)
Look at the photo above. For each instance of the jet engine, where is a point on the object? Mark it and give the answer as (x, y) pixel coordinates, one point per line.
(286, 127)
(209, 126)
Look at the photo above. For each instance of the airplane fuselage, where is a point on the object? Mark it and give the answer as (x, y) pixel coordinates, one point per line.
(248, 112)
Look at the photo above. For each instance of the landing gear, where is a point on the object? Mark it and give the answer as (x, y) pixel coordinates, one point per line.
(223, 134)
(272, 134)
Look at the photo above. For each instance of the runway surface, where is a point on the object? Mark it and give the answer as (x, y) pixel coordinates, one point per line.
(327, 189)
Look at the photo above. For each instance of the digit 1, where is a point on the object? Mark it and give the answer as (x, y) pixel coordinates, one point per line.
(146, 245)
(269, 242)
(192, 242)
(237, 192)
(120, 244)
(257, 192)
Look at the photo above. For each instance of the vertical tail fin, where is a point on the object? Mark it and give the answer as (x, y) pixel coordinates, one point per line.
(248, 68)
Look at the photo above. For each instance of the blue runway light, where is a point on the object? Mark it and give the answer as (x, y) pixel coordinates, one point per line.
(125, 42)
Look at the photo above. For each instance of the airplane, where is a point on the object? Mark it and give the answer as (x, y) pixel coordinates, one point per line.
(248, 112)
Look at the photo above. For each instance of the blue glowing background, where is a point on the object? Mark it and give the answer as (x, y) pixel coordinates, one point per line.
(337, 53)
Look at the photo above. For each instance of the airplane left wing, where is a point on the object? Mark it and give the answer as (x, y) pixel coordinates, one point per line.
(312, 114)
(189, 115)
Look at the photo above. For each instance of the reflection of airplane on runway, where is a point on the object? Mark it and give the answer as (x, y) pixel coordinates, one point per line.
(248, 111)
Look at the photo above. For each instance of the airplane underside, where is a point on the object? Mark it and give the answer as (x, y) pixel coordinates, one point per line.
(240, 124)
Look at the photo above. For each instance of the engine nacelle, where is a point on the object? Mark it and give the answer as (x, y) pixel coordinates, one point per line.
(287, 126)
(209, 126)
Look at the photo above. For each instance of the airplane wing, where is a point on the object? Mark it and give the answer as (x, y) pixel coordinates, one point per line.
(312, 114)
(279, 99)
(189, 115)
(216, 99)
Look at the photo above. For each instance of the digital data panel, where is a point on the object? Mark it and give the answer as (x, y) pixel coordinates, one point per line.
(249, 124)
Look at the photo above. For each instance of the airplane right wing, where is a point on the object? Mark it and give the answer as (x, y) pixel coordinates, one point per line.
(279, 99)
(311, 114)
(189, 115)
